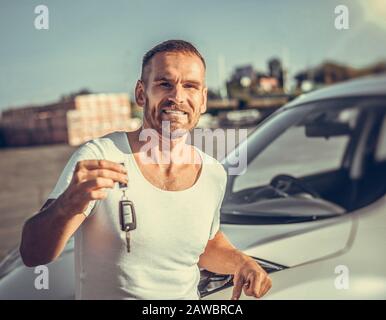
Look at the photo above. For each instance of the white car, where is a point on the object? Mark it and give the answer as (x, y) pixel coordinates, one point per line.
(321, 158)
(310, 206)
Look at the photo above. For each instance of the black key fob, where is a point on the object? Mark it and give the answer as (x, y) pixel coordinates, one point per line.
(127, 215)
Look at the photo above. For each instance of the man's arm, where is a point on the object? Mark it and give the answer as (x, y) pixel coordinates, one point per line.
(220, 256)
(45, 235)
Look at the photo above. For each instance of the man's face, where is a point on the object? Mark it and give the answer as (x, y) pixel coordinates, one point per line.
(173, 90)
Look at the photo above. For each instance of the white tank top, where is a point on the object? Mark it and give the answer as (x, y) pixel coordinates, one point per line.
(173, 228)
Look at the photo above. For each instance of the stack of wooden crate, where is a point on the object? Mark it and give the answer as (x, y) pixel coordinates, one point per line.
(95, 115)
(74, 121)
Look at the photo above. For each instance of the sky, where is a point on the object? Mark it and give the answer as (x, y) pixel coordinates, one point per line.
(99, 44)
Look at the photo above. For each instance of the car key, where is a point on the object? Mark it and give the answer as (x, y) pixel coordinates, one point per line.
(127, 215)
(127, 219)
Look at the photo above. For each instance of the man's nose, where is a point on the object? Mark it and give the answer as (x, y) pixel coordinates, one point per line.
(177, 94)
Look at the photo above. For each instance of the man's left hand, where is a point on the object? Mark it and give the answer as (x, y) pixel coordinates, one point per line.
(251, 278)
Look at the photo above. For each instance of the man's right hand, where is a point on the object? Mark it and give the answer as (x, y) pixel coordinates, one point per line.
(45, 234)
(89, 180)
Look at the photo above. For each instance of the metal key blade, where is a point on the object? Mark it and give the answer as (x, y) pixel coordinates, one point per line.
(128, 240)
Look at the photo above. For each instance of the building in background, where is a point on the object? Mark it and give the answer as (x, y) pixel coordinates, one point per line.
(74, 119)
(267, 84)
(246, 83)
(276, 71)
(331, 72)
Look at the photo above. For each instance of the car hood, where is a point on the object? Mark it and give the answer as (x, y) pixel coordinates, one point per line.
(356, 242)
(326, 241)
(300, 248)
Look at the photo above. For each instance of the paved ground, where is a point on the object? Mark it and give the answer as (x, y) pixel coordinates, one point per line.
(27, 176)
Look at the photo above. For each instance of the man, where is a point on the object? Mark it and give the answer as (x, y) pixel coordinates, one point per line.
(177, 201)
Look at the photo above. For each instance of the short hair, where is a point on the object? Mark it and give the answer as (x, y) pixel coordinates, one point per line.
(170, 46)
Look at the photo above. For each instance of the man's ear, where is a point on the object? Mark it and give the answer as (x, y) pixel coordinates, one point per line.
(140, 93)
(205, 100)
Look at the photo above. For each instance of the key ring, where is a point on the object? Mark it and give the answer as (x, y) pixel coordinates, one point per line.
(124, 196)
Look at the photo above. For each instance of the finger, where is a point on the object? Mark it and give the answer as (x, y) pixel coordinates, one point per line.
(106, 173)
(97, 183)
(238, 285)
(266, 287)
(257, 280)
(97, 195)
(247, 287)
(101, 164)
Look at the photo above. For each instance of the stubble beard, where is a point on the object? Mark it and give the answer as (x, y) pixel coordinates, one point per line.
(166, 128)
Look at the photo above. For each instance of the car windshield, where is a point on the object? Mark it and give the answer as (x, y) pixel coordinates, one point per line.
(297, 152)
(301, 158)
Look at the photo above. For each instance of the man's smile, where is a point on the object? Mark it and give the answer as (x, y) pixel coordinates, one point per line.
(177, 112)
(173, 113)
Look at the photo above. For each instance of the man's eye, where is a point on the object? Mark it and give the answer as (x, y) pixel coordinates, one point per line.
(165, 84)
(191, 86)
